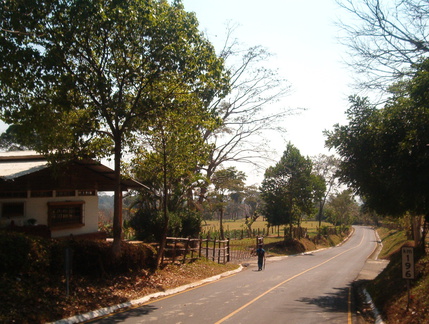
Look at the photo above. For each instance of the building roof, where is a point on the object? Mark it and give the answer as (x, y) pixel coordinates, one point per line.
(19, 163)
(31, 170)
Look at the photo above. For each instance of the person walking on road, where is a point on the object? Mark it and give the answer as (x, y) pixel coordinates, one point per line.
(260, 252)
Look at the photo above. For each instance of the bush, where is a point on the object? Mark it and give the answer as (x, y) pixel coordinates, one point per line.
(23, 254)
(148, 225)
(94, 258)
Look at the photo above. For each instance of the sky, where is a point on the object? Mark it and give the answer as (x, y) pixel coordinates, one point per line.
(304, 40)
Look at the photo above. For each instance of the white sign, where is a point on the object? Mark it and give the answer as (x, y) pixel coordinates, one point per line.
(407, 262)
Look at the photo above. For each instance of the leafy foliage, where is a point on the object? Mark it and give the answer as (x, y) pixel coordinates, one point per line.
(85, 77)
(289, 188)
(149, 224)
(342, 209)
(19, 253)
(384, 152)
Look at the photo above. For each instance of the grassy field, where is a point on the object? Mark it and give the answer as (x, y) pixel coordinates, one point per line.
(229, 225)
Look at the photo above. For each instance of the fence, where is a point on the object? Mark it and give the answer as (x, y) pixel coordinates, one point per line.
(182, 249)
(187, 249)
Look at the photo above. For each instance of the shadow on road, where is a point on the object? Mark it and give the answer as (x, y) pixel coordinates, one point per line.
(330, 302)
(121, 317)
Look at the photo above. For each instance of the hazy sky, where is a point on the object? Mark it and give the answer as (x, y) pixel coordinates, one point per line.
(303, 36)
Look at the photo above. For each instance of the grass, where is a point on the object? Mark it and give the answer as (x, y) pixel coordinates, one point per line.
(231, 225)
(392, 241)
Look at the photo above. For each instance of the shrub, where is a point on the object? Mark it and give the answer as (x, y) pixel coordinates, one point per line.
(94, 258)
(23, 254)
(148, 225)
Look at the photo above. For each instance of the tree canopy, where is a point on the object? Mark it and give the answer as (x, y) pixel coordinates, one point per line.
(85, 76)
(289, 188)
(227, 182)
(384, 152)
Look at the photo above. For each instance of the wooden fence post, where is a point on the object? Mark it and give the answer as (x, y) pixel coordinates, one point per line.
(207, 247)
(186, 249)
(214, 249)
(228, 249)
(174, 250)
(218, 252)
(200, 247)
(163, 254)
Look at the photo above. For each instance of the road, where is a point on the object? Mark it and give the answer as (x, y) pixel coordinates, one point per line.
(309, 288)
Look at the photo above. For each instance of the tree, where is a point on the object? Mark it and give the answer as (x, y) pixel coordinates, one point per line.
(226, 182)
(343, 208)
(387, 38)
(253, 202)
(85, 76)
(289, 189)
(9, 140)
(171, 148)
(384, 153)
(325, 166)
(248, 111)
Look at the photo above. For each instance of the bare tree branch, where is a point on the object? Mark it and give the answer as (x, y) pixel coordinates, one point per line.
(384, 38)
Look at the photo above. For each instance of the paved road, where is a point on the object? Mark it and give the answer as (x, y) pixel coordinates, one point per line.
(309, 288)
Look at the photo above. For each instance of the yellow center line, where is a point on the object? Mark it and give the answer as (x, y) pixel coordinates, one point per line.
(287, 280)
(349, 308)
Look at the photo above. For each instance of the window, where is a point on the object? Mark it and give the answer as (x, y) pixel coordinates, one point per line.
(65, 193)
(67, 213)
(13, 209)
(13, 194)
(87, 193)
(41, 193)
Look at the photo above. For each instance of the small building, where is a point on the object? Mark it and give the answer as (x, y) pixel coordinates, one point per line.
(62, 198)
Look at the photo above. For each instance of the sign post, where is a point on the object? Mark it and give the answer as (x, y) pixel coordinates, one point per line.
(408, 267)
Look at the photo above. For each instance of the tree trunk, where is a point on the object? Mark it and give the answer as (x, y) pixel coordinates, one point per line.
(320, 214)
(417, 223)
(117, 207)
(163, 242)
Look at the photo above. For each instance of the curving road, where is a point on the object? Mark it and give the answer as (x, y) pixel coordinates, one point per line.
(309, 288)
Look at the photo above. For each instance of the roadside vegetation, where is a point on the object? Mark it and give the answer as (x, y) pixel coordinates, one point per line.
(389, 289)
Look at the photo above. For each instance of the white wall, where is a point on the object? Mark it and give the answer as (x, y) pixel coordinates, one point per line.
(37, 208)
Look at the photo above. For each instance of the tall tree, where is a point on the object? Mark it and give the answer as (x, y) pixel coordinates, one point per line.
(171, 149)
(249, 112)
(289, 189)
(325, 166)
(9, 140)
(343, 209)
(85, 75)
(226, 183)
(385, 38)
